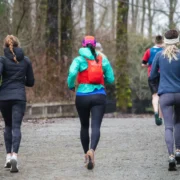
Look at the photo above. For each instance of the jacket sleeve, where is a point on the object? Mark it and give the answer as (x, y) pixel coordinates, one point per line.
(155, 67)
(29, 74)
(108, 71)
(1, 66)
(73, 71)
(146, 56)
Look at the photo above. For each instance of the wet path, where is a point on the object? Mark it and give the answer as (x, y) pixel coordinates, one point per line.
(129, 149)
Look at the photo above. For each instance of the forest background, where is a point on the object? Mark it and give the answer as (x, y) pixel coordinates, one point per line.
(51, 31)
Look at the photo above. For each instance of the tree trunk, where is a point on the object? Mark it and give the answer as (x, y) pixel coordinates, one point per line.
(172, 8)
(66, 43)
(66, 32)
(149, 18)
(89, 17)
(123, 92)
(113, 19)
(59, 30)
(52, 66)
(21, 18)
(41, 23)
(5, 17)
(134, 14)
(143, 17)
(33, 15)
(52, 30)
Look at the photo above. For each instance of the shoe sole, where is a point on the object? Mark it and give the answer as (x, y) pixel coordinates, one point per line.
(177, 159)
(90, 165)
(14, 168)
(158, 123)
(8, 165)
(172, 166)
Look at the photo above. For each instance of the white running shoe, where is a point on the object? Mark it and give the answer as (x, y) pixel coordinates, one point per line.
(14, 166)
(8, 159)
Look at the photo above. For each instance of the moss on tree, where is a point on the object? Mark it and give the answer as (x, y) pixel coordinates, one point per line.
(123, 91)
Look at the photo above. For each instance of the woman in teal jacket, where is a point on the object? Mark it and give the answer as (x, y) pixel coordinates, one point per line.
(90, 96)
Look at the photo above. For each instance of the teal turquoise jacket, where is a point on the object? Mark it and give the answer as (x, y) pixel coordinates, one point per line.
(80, 64)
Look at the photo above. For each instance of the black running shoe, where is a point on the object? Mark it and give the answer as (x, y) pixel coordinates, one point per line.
(158, 120)
(90, 164)
(172, 163)
(177, 157)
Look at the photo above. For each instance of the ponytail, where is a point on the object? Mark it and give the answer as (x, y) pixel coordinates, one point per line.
(171, 51)
(11, 42)
(93, 51)
(11, 49)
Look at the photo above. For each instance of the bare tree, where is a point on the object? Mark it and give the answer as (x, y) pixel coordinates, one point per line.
(33, 14)
(143, 17)
(151, 14)
(90, 17)
(66, 31)
(122, 81)
(172, 6)
(113, 18)
(52, 29)
(172, 9)
(21, 18)
(134, 14)
(59, 29)
(4, 21)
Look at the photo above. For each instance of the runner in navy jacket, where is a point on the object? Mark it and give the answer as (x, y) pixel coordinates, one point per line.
(16, 72)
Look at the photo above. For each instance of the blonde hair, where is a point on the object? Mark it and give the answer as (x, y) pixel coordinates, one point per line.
(11, 42)
(171, 51)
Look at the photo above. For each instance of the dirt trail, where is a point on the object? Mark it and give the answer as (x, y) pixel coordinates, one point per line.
(129, 149)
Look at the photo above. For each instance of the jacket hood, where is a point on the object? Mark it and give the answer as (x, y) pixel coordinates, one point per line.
(86, 52)
(18, 52)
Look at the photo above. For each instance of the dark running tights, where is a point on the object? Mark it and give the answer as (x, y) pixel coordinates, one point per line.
(12, 112)
(94, 104)
(170, 106)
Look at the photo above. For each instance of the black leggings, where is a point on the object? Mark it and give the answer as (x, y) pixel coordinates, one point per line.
(12, 112)
(96, 105)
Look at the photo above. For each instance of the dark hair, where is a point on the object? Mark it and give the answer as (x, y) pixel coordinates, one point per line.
(93, 51)
(171, 34)
(159, 39)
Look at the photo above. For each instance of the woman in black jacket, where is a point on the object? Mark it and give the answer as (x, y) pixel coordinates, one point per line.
(16, 73)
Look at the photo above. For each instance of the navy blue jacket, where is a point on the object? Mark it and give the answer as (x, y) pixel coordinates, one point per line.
(169, 73)
(15, 76)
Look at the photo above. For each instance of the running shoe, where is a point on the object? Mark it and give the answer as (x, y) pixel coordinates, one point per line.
(8, 159)
(90, 164)
(161, 121)
(158, 120)
(177, 156)
(14, 166)
(172, 163)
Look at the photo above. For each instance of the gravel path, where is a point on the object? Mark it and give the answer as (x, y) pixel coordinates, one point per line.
(129, 149)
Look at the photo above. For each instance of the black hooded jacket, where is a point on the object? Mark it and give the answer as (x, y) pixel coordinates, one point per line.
(15, 76)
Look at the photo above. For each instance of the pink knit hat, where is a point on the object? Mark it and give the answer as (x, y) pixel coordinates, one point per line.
(89, 40)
